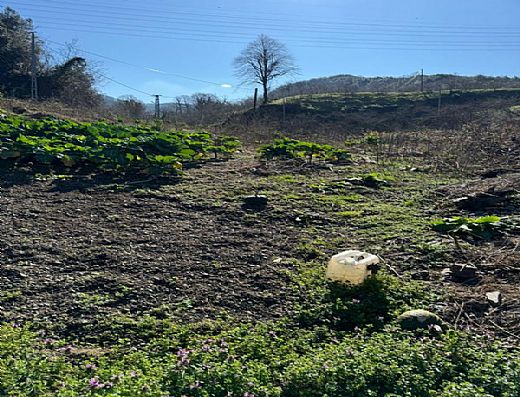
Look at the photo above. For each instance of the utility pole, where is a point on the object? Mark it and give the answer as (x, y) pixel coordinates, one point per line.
(255, 98)
(422, 80)
(34, 80)
(157, 107)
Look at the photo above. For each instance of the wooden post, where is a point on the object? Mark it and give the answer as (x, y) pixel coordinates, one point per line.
(255, 98)
(284, 110)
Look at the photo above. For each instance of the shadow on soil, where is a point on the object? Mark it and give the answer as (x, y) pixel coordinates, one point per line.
(67, 180)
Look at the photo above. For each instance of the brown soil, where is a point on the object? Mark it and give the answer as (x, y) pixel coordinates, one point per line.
(77, 252)
(130, 252)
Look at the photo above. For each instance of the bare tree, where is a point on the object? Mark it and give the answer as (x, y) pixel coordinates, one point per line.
(130, 106)
(262, 61)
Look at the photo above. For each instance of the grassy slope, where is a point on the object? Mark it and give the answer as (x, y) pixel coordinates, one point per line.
(336, 115)
(362, 101)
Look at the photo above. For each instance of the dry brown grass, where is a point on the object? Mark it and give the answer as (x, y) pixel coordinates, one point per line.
(472, 149)
(52, 108)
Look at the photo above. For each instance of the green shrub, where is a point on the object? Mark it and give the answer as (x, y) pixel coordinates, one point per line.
(294, 149)
(371, 138)
(485, 227)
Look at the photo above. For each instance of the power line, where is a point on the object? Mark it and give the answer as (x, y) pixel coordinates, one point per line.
(329, 41)
(399, 29)
(132, 28)
(116, 81)
(313, 31)
(299, 44)
(282, 20)
(137, 66)
(154, 70)
(126, 85)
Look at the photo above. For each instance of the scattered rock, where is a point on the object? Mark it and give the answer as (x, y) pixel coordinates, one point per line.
(463, 272)
(497, 188)
(19, 110)
(370, 181)
(494, 298)
(256, 202)
(495, 172)
(419, 319)
(421, 275)
(41, 116)
(481, 201)
(367, 160)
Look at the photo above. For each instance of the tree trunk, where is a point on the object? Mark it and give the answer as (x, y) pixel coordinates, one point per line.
(265, 93)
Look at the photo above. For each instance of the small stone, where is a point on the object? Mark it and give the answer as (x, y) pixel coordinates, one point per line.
(419, 319)
(421, 275)
(464, 272)
(19, 110)
(256, 202)
(494, 298)
(446, 272)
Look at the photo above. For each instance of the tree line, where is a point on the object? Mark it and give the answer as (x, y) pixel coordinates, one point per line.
(195, 109)
(349, 84)
(71, 80)
(66, 78)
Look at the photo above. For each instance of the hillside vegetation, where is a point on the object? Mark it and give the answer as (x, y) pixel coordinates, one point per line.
(348, 83)
(342, 114)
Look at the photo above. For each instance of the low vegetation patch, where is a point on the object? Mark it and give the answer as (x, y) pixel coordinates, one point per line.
(294, 149)
(376, 302)
(110, 147)
(485, 227)
(273, 359)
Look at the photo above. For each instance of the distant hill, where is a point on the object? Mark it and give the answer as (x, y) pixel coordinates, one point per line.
(341, 114)
(345, 83)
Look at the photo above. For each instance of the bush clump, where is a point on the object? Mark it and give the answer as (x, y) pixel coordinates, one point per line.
(293, 149)
(485, 227)
(54, 143)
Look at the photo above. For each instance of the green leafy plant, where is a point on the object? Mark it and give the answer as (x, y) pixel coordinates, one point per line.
(293, 149)
(485, 227)
(371, 138)
(108, 147)
(224, 146)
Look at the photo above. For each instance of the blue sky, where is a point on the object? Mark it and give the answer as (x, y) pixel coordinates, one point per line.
(158, 43)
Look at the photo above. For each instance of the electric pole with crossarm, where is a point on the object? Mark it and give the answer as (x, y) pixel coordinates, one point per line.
(34, 78)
